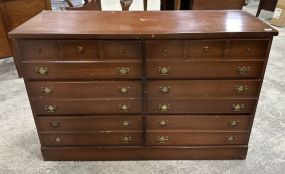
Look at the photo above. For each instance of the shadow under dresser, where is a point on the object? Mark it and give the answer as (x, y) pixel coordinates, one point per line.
(143, 85)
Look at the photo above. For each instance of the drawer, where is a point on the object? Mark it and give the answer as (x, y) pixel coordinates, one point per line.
(248, 48)
(207, 48)
(92, 139)
(201, 106)
(199, 122)
(39, 49)
(83, 90)
(186, 138)
(87, 106)
(202, 88)
(121, 49)
(180, 69)
(82, 69)
(89, 123)
(166, 48)
(80, 49)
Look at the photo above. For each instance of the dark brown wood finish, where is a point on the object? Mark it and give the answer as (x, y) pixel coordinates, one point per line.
(142, 90)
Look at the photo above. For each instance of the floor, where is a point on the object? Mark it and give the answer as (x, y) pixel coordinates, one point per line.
(20, 150)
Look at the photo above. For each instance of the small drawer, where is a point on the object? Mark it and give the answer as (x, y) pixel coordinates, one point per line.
(165, 48)
(81, 70)
(199, 122)
(202, 88)
(39, 49)
(207, 48)
(201, 106)
(188, 138)
(83, 90)
(100, 138)
(204, 69)
(86, 106)
(89, 123)
(80, 49)
(248, 48)
(121, 49)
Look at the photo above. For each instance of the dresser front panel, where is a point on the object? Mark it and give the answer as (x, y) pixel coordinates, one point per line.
(199, 122)
(201, 106)
(81, 70)
(90, 123)
(86, 106)
(220, 69)
(189, 138)
(85, 89)
(203, 88)
(100, 138)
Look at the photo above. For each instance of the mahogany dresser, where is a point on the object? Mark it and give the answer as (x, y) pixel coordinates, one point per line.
(143, 85)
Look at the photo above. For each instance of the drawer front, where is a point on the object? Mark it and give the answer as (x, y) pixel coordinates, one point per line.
(75, 70)
(121, 49)
(204, 69)
(74, 107)
(202, 88)
(248, 48)
(39, 49)
(92, 139)
(83, 90)
(201, 106)
(196, 138)
(165, 48)
(80, 49)
(207, 48)
(199, 122)
(89, 123)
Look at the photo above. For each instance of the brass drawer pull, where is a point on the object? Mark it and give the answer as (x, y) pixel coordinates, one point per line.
(124, 89)
(162, 122)
(54, 124)
(164, 108)
(162, 139)
(122, 50)
(243, 70)
(80, 49)
(164, 70)
(50, 108)
(41, 70)
(47, 90)
(241, 89)
(238, 107)
(206, 49)
(247, 49)
(233, 123)
(126, 140)
(124, 108)
(231, 139)
(39, 50)
(123, 70)
(57, 140)
(126, 124)
(165, 89)
(165, 51)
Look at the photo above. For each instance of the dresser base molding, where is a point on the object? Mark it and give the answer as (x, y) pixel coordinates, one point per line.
(144, 153)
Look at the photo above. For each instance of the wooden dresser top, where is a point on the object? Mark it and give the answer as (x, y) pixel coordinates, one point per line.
(143, 25)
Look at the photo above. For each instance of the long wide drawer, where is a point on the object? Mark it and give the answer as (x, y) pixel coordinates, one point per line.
(82, 69)
(85, 89)
(99, 106)
(201, 106)
(202, 88)
(180, 69)
(89, 123)
(199, 122)
(195, 138)
(92, 139)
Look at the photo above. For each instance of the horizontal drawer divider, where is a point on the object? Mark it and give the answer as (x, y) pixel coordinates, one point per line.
(83, 99)
(180, 59)
(165, 130)
(92, 132)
